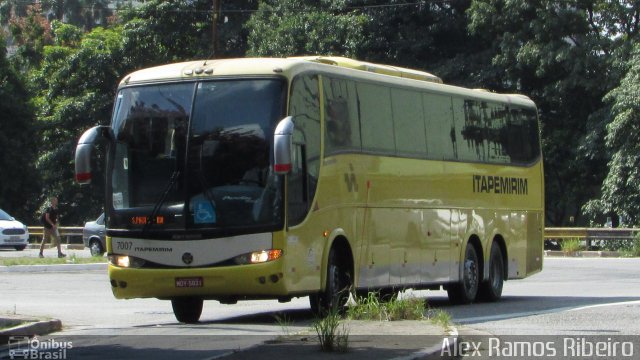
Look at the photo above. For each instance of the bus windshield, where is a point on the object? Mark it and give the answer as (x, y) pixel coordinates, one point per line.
(197, 156)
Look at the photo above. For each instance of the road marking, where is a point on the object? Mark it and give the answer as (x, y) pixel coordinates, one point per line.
(479, 319)
(635, 302)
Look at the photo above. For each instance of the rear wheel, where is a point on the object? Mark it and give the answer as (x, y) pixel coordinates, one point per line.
(336, 293)
(187, 309)
(465, 291)
(491, 290)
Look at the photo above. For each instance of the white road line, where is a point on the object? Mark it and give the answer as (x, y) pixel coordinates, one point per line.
(498, 317)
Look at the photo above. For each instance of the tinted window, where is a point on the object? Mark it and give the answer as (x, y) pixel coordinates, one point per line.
(441, 137)
(376, 118)
(414, 123)
(341, 115)
(408, 123)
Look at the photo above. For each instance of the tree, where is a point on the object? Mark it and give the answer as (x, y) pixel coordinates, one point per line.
(18, 141)
(86, 14)
(290, 27)
(32, 33)
(621, 187)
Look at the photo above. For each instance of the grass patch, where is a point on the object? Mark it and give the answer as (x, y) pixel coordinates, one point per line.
(571, 246)
(72, 259)
(372, 308)
(332, 335)
(439, 317)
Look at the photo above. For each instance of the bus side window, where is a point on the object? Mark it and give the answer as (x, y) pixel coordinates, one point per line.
(338, 128)
(297, 183)
(342, 129)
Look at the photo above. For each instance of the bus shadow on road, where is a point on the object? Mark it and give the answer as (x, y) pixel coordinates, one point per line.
(270, 317)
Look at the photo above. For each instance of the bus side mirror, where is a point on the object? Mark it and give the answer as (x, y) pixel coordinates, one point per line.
(282, 145)
(85, 147)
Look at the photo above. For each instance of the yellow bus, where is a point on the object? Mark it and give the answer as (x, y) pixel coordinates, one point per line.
(316, 176)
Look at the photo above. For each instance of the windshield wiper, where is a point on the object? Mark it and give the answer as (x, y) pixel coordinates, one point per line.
(158, 205)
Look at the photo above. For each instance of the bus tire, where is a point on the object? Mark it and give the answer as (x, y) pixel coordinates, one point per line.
(491, 290)
(465, 291)
(187, 309)
(336, 293)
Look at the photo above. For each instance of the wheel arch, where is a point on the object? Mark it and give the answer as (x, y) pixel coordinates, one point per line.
(344, 250)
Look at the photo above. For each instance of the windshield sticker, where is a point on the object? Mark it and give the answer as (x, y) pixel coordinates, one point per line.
(204, 213)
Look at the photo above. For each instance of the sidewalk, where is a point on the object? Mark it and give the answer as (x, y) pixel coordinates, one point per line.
(398, 340)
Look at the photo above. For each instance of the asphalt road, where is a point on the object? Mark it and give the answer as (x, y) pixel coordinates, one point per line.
(569, 297)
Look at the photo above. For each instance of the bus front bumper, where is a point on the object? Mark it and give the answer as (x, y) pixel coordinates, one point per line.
(257, 281)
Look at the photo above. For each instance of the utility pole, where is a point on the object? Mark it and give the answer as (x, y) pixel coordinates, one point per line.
(214, 26)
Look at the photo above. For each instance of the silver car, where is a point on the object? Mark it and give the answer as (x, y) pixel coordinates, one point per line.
(13, 233)
(93, 236)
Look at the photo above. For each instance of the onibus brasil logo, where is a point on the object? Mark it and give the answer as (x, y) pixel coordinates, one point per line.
(23, 347)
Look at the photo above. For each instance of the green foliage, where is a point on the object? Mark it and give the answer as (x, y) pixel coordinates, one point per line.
(439, 317)
(52, 260)
(372, 308)
(291, 27)
(31, 33)
(331, 335)
(621, 188)
(571, 246)
(18, 141)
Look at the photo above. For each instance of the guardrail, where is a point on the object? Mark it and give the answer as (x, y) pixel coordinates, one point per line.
(550, 233)
(66, 232)
(590, 234)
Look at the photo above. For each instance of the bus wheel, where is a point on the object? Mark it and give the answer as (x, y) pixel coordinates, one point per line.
(491, 290)
(465, 292)
(187, 309)
(336, 292)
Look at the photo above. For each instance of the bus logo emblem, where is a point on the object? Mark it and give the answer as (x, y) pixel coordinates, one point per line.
(350, 179)
(187, 258)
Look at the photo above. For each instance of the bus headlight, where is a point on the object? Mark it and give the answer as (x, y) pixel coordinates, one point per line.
(259, 257)
(126, 261)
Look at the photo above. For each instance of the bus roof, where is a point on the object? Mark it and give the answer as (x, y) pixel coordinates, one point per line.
(291, 66)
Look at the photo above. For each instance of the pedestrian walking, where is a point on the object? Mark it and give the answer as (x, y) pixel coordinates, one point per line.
(50, 222)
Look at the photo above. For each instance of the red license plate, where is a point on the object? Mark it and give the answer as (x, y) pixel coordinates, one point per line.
(194, 282)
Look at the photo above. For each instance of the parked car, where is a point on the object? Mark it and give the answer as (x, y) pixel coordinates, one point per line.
(13, 233)
(93, 236)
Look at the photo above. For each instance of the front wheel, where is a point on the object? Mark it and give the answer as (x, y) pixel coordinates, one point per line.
(96, 248)
(20, 247)
(491, 290)
(337, 288)
(187, 310)
(465, 291)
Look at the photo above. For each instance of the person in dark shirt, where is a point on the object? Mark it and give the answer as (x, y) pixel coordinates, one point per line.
(50, 223)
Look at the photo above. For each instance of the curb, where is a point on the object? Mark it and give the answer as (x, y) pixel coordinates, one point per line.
(25, 329)
(582, 254)
(30, 327)
(53, 268)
